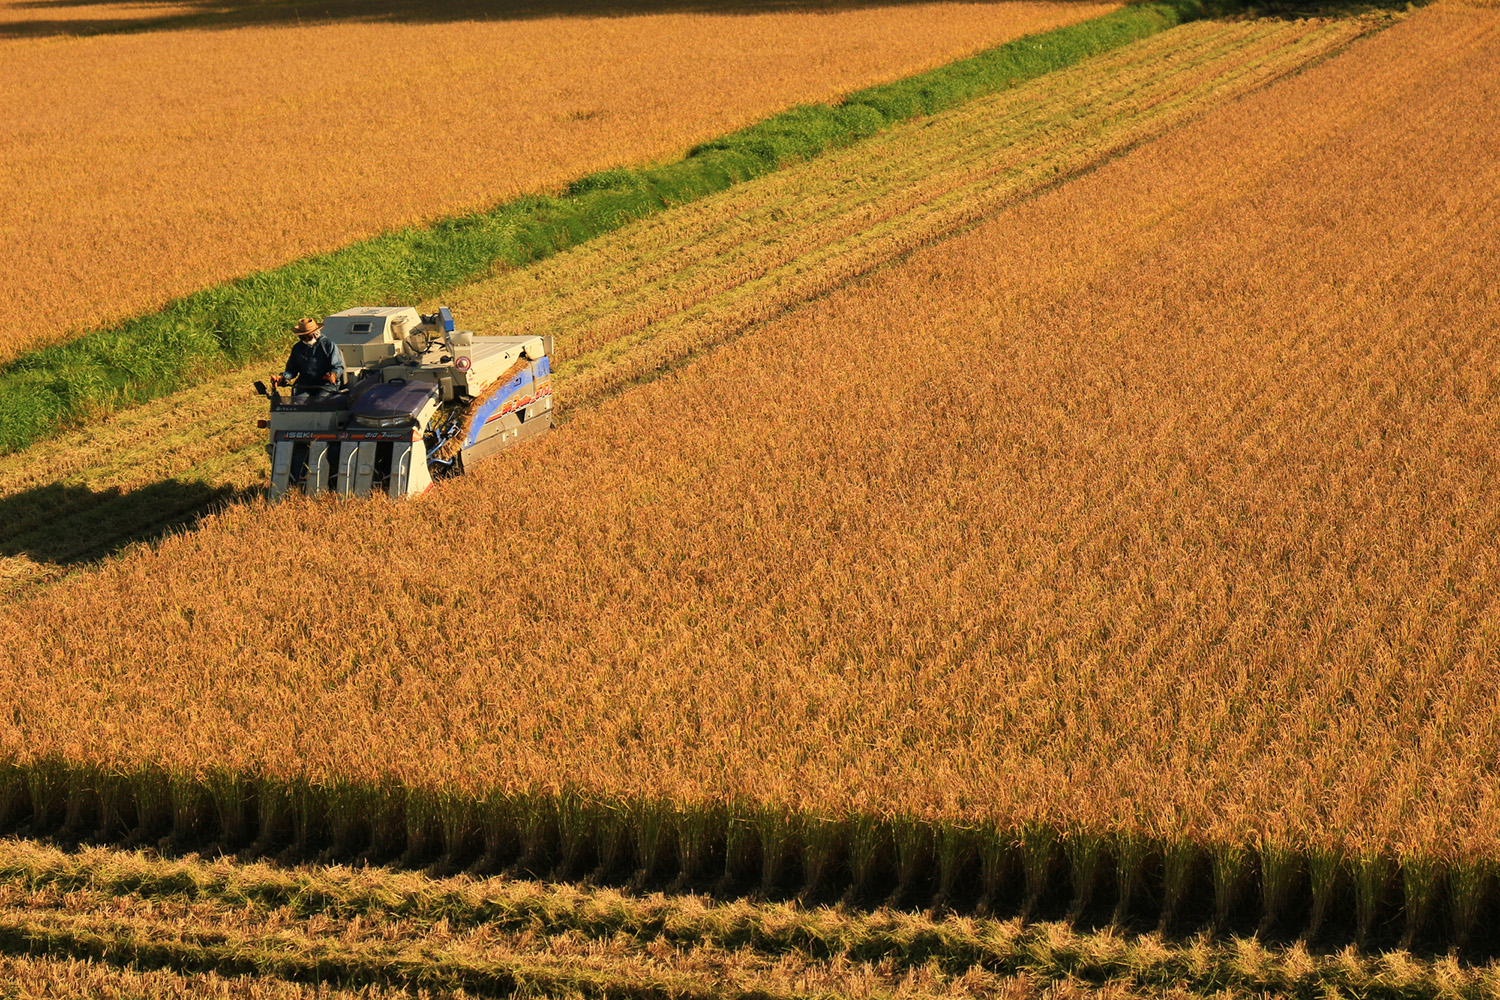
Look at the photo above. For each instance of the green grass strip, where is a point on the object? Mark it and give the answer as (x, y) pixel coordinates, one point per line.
(245, 320)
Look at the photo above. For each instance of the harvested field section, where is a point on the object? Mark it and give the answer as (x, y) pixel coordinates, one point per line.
(130, 476)
(879, 953)
(280, 151)
(374, 944)
(656, 292)
(40, 978)
(1137, 538)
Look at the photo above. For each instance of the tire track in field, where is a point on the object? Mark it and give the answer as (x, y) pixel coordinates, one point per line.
(638, 302)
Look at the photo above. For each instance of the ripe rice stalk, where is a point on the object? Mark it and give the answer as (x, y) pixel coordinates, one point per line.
(579, 828)
(462, 824)
(47, 784)
(116, 805)
(151, 788)
(1281, 876)
(1233, 868)
(501, 813)
(1183, 863)
(779, 839)
(387, 816)
(700, 839)
(1372, 873)
(742, 845)
(1039, 843)
(307, 809)
(15, 799)
(872, 851)
(350, 805)
(1328, 877)
(273, 811)
(653, 829)
(539, 825)
(1088, 856)
(824, 844)
(1423, 877)
(192, 806)
(228, 794)
(1470, 890)
(1131, 851)
(611, 835)
(1001, 867)
(81, 808)
(956, 855)
(916, 851)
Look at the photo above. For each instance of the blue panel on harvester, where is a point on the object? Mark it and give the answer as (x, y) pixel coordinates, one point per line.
(446, 318)
(496, 406)
(543, 367)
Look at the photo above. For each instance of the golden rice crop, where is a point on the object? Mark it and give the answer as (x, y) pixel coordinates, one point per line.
(661, 289)
(1154, 513)
(146, 165)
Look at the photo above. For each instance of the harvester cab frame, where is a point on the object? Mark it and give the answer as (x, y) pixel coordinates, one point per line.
(403, 417)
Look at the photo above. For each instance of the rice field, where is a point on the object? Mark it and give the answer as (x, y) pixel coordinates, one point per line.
(1128, 553)
(162, 158)
(625, 305)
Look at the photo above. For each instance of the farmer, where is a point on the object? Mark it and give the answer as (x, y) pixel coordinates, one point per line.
(315, 363)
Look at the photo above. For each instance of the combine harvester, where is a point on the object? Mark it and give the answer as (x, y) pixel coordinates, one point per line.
(420, 401)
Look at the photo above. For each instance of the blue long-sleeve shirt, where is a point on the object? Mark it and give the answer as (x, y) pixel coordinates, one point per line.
(309, 363)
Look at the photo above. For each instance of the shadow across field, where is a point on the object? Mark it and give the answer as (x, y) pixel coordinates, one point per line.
(1089, 879)
(43, 18)
(67, 525)
(130, 16)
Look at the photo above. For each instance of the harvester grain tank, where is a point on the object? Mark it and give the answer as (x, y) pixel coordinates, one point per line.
(420, 400)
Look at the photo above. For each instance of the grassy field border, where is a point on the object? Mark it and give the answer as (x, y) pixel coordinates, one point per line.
(45, 391)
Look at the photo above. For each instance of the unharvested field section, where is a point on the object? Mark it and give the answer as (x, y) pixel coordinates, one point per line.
(1144, 530)
(139, 167)
(654, 293)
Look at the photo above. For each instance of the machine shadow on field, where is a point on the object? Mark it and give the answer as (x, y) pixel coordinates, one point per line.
(40, 18)
(66, 525)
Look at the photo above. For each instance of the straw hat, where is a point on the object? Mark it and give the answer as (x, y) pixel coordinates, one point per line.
(307, 325)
